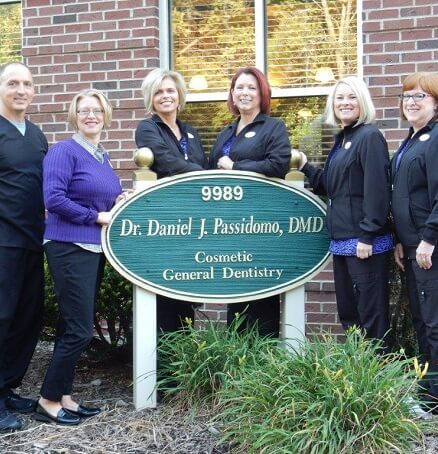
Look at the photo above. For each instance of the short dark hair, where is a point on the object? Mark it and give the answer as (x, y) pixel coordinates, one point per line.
(265, 90)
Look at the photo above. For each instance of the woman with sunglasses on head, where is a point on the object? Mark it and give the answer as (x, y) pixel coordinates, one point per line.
(356, 180)
(80, 187)
(414, 170)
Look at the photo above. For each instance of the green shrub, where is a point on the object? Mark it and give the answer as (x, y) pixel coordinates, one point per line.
(113, 311)
(326, 397)
(195, 363)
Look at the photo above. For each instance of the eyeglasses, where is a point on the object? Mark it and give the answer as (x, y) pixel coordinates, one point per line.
(86, 112)
(417, 97)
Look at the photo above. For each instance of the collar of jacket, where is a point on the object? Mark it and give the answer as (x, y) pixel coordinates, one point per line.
(159, 121)
(260, 118)
(348, 131)
(424, 129)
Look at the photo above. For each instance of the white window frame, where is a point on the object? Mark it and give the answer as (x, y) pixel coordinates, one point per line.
(260, 54)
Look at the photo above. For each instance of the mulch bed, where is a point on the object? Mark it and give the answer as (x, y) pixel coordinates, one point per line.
(119, 428)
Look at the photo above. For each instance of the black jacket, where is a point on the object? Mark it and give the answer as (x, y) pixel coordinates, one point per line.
(356, 180)
(169, 157)
(415, 188)
(262, 146)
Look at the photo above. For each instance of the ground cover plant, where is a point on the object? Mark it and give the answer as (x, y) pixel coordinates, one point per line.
(194, 363)
(322, 397)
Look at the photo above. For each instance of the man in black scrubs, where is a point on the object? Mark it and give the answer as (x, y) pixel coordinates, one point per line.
(22, 149)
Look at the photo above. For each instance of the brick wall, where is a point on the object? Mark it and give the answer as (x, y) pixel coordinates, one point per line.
(76, 44)
(399, 37)
(108, 45)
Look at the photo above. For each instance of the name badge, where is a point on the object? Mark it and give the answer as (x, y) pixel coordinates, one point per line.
(347, 145)
(190, 135)
(250, 134)
(424, 137)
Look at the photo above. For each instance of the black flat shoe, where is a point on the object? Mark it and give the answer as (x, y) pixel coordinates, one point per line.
(20, 404)
(85, 412)
(8, 422)
(63, 417)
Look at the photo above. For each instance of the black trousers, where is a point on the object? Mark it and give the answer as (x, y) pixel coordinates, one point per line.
(362, 293)
(265, 311)
(171, 313)
(77, 274)
(21, 312)
(423, 300)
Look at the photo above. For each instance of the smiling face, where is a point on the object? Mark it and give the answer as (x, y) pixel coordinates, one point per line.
(420, 112)
(246, 95)
(346, 105)
(16, 92)
(166, 98)
(90, 118)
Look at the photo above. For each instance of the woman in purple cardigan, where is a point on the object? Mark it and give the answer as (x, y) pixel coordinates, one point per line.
(80, 188)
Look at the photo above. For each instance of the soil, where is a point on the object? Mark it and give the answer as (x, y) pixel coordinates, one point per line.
(120, 429)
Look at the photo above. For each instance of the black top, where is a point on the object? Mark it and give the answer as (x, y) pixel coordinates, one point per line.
(415, 188)
(169, 156)
(21, 197)
(262, 146)
(356, 180)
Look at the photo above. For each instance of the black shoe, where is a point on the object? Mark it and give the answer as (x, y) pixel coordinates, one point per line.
(85, 412)
(62, 417)
(20, 404)
(8, 422)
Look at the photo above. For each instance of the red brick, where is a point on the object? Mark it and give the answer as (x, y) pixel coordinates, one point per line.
(384, 58)
(313, 307)
(427, 66)
(396, 3)
(413, 35)
(371, 5)
(398, 24)
(400, 68)
(379, 14)
(417, 56)
(399, 46)
(116, 15)
(384, 37)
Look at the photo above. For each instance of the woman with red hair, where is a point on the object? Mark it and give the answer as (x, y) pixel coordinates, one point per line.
(414, 170)
(255, 141)
(258, 143)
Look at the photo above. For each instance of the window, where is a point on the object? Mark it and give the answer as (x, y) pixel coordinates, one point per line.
(10, 32)
(302, 46)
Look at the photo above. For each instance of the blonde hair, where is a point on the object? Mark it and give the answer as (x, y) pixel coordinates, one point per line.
(72, 116)
(367, 111)
(151, 84)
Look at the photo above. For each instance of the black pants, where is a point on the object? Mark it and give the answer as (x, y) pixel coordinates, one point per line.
(171, 313)
(77, 274)
(423, 300)
(362, 293)
(21, 312)
(266, 312)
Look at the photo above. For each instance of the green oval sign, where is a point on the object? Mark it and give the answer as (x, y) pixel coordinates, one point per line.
(218, 236)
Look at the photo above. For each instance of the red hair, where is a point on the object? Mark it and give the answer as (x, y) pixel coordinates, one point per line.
(265, 90)
(427, 81)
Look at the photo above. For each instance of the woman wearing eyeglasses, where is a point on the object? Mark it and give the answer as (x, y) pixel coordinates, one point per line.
(80, 187)
(414, 170)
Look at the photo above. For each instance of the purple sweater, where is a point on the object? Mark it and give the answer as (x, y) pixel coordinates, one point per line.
(76, 188)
